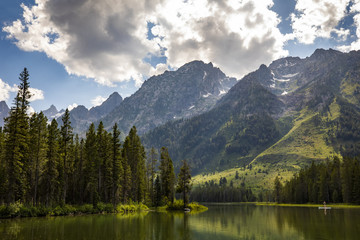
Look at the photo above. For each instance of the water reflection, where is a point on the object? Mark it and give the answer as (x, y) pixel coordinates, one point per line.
(219, 222)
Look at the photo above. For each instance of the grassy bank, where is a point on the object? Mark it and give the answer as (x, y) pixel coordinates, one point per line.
(20, 210)
(338, 205)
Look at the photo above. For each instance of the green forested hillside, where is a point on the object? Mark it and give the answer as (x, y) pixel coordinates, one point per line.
(241, 126)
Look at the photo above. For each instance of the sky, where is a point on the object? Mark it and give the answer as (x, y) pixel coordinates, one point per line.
(78, 52)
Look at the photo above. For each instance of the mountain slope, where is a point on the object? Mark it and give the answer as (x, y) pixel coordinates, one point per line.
(192, 89)
(238, 128)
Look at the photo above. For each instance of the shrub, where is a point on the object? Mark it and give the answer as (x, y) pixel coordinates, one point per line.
(176, 205)
(14, 209)
(57, 211)
(27, 211)
(109, 208)
(86, 208)
(126, 208)
(194, 206)
(100, 207)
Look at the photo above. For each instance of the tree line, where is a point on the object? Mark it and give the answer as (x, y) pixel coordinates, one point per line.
(222, 192)
(45, 164)
(333, 181)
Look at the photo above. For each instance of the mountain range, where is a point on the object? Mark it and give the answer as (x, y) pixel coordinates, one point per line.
(189, 91)
(81, 117)
(278, 118)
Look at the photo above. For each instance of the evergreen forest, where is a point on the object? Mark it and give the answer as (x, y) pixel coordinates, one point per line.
(332, 181)
(44, 164)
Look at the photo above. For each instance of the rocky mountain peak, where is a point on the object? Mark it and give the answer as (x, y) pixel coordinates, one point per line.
(51, 112)
(192, 89)
(4, 107)
(322, 54)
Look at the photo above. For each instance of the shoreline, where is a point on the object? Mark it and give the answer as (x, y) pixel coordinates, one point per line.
(272, 204)
(308, 205)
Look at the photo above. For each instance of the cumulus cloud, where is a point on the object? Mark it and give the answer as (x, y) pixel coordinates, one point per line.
(72, 106)
(236, 36)
(97, 101)
(314, 18)
(355, 45)
(30, 110)
(108, 40)
(36, 94)
(5, 90)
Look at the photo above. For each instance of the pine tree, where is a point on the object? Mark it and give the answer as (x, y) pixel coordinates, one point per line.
(277, 189)
(117, 168)
(91, 165)
(50, 183)
(103, 162)
(184, 182)
(157, 192)
(37, 156)
(16, 142)
(2, 167)
(167, 175)
(80, 172)
(151, 171)
(75, 177)
(65, 146)
(135, 155)
(126, 177)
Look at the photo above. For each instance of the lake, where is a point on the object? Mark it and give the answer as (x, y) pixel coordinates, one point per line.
(242, 221)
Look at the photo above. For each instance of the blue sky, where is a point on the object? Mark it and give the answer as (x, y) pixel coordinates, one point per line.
(80, 51)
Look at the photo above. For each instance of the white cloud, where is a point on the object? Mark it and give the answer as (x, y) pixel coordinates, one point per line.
(36, 94)
(72, 106)
(160, 68)
(5, 90)
(107, 40)
(30, 110)
(316, 18)
(97, 101)
(355, 45)
(236, 36)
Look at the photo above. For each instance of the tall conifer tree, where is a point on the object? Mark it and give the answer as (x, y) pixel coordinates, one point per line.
(2, 167)
(167, 175)
(50, 183)
(135, 155)
(184, 182)
(38, 148)
(151, 171)
(65, 144)
(91, 165)
(116, 166)
(16, 142)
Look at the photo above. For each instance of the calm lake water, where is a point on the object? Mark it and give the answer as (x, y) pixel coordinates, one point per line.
(219, 222)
